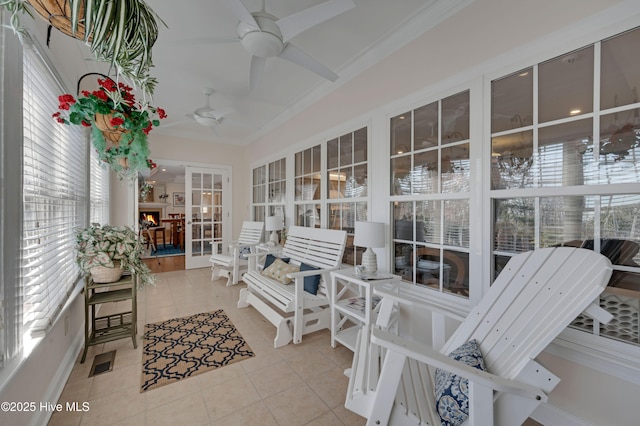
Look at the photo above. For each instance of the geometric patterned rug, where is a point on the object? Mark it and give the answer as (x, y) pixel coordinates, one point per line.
(183, 347)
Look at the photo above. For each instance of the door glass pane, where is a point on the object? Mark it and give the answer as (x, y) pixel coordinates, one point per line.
(196, 197)
(196, 181)
(565, 85)
(512, 98)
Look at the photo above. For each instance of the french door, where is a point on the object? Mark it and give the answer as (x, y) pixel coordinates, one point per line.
(206, 213)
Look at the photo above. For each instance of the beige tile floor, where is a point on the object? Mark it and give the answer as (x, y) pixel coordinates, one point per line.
(294, 385)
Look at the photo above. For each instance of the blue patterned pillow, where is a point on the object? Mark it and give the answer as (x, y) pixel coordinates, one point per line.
(243, 252)
(452, 391)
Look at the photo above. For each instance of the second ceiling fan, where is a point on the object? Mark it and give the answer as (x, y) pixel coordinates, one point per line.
(265, 36)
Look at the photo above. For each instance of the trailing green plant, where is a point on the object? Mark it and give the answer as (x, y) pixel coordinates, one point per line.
(105, 245)
(121, 32)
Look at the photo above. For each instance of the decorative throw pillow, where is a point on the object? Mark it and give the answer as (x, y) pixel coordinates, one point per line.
(311, 283)
(452, 391)
(270, 258)
(279, 269)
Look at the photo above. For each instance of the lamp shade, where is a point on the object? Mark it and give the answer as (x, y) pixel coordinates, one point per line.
(369, 234)
(273, 223)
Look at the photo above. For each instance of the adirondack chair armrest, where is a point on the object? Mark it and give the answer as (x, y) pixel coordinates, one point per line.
(427, 355)
(396, 294)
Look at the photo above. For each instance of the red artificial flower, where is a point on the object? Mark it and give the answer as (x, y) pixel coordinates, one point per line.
(85, 124)
(124, 87)
(148, 129)
(161, 113)
(86, 93)
(67, 98)
(116, 121)
(100, 94)
(108, 84)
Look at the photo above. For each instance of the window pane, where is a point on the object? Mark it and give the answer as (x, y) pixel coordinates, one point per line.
(562, 153)
(512, 160)
(620, 147)
(620, 70)
(514, 227)
(332, 154)
(401, 134)
(315, 163)
(455, 118)
(308, 215)
(456, 223)
(400, 177)
(565, 220)
(425, 172)
(512, 97)
(456, 168)
(565, 85)
(428, 221)
(426, 126)
(620, 219)
(360, 145)
(346, 149)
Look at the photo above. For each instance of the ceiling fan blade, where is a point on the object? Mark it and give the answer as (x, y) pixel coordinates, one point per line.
(221, 112)
(297, 56)
(293, 25)
(241, 12)
(256, 72)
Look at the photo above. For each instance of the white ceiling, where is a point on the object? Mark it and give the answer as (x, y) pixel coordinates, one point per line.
(187, 60)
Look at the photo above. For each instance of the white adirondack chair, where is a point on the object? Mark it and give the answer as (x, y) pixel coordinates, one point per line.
(232, 263)
(533, 299)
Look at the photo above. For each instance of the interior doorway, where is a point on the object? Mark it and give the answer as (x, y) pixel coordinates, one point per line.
(164, 192)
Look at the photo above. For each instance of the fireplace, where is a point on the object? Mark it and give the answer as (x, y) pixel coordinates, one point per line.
(151, 216)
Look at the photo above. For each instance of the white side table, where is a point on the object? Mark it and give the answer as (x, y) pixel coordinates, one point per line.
(352, 304)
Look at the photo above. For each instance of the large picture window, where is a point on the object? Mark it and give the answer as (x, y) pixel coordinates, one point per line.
(565, 144)
(430, 177)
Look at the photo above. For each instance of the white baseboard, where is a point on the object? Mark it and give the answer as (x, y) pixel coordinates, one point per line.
(549, 415)
(56, 386)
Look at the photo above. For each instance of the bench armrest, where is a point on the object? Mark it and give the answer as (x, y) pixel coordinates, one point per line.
(427, 355)
(309, 273)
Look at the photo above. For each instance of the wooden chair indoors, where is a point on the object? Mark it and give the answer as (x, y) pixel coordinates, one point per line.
(234, 262)
(392, 379)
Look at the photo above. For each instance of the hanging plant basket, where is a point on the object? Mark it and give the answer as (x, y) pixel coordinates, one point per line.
(58, 14)
(121, 32)
(110, 132)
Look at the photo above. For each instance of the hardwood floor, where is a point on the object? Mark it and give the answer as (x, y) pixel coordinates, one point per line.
(165, 263)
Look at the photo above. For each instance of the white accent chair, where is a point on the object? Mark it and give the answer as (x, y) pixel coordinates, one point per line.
(234, 262)
(533, 299)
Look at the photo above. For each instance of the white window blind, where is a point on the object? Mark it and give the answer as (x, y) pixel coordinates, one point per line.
(99, 191)
(54, 198)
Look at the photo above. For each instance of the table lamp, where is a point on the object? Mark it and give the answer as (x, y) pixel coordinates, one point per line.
(369, 235)
(273, 224)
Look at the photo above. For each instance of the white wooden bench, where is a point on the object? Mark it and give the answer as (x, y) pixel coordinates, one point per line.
(231, 262)
(292, 310)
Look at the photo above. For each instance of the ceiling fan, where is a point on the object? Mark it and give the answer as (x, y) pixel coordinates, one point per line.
(208, 116)
(265, 36)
